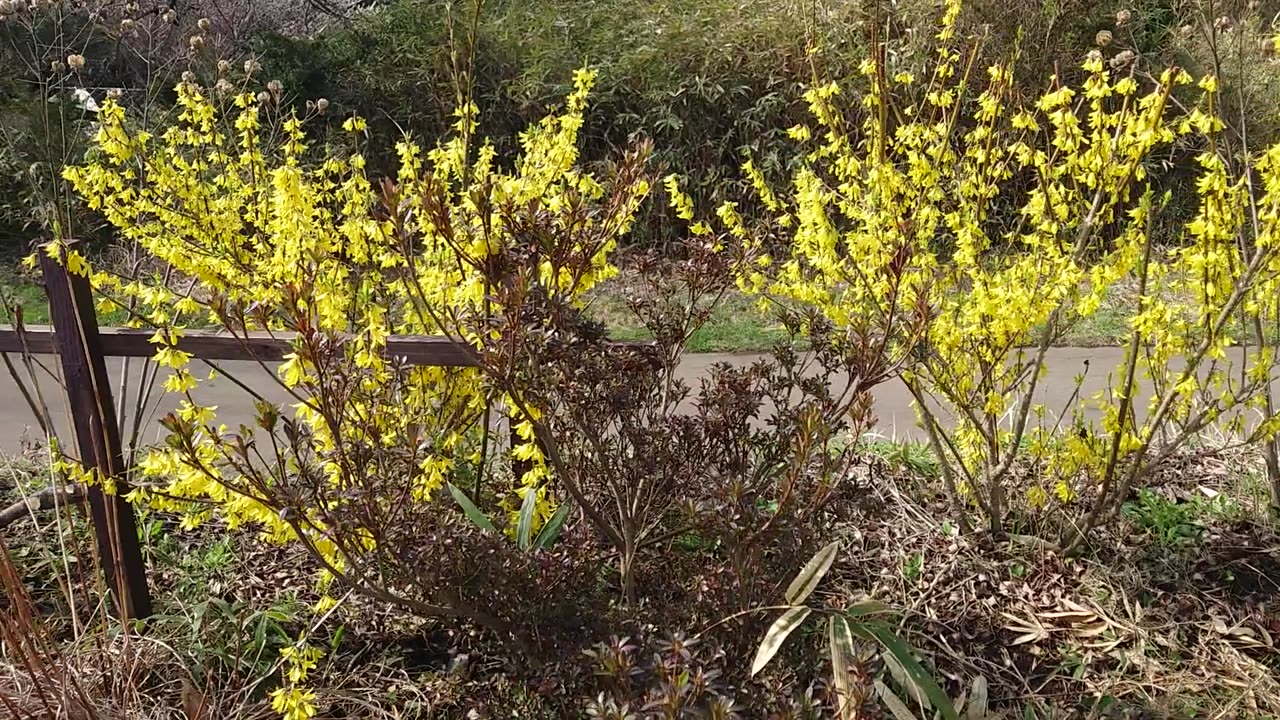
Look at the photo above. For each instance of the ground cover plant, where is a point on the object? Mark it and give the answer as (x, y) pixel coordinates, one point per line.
(565, 526)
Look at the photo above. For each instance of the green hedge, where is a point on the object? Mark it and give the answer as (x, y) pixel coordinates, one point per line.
(708, 81)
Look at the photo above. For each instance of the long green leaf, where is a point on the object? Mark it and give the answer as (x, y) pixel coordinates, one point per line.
(811, 574)
(524, 526)
(336, 640)
(904, 681)
(841, 644)
(921, 678)
(866, 607)
(550, 532)
(898, 708)
(776, 635)
(469, 508)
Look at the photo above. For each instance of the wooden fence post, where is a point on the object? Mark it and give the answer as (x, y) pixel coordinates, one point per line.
(84, 370)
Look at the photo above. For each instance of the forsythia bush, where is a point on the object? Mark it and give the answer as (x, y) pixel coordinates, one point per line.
(895, 216)
(252, 233)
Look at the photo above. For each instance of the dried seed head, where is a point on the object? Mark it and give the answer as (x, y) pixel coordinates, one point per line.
(1186, 31)
(322, 105)
(126, 25)
(1123, 17)
(115, 94)
(251, 67)
(75, 62)
(224, 67)
(188, 77)
(1123, 58)
(1223, 24)
(223, 86)
(57, 66)
(1103, 38)
(275, 87)
(1094, 54)
(203, 24)
(170, 16)
(264, 97)
(197, 42)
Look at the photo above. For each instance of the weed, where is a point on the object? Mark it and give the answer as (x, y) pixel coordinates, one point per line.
(219, 636)
(913, 568)
(1172, 524)
(914, 457)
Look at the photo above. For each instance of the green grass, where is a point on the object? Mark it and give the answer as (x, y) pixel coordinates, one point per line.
(736, 326)
(16, 290)
(739, 326)
(1107, 327)
(915, 457)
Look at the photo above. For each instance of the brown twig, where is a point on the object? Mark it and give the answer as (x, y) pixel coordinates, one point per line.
(47, 499)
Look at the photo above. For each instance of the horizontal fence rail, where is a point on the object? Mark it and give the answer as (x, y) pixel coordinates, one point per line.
(432, 350)
(421, 350)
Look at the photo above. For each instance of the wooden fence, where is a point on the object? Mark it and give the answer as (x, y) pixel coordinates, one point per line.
(83, 347)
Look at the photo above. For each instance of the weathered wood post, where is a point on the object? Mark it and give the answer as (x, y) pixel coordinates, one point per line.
(93, 413)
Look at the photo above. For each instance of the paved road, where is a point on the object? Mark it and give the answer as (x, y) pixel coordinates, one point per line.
(895, 416)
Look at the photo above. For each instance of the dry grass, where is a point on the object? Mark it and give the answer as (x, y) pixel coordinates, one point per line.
(1148, 624)
(1137, 626)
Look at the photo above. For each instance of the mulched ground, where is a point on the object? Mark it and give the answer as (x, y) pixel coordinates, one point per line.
(1180, 620)
(1137, 627)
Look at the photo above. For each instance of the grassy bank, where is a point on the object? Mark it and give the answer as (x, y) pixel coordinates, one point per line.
(738, 325)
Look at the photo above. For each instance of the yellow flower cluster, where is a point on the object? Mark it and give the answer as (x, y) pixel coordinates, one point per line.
(292, 700)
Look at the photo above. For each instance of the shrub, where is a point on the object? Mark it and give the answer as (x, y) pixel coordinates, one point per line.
(674, 677)
(898, 222)
(251, 239)
(365, 469)
(66, 57)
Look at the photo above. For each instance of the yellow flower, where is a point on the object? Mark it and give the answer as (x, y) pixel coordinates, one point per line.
(1037, 498)
(1063, 491)
(294, 703)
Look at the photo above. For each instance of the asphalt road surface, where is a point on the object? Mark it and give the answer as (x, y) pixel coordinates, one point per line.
(895, 416)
